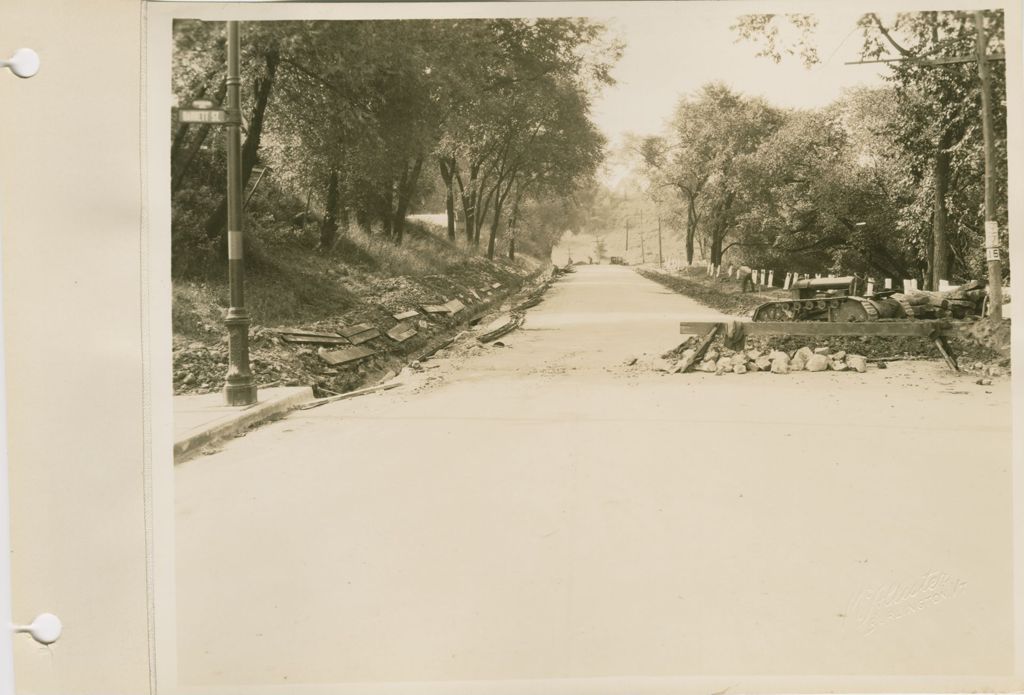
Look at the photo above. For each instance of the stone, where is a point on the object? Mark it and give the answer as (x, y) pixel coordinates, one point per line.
(738, 359)
(798, 363)
(739, 369)
(821, 351)
(995, 371)
(839, 356)
(780, 365)
(762, 363)
(858, 363)
(712, 354)
(838, 365)
(189, 379)
(707, 366)
(688, 353)
(724, 363)
(752, 355)
(817, 363)
(777, 354)
(983, 382)
(805, 353)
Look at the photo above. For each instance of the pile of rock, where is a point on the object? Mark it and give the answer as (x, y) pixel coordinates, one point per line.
(723, 361)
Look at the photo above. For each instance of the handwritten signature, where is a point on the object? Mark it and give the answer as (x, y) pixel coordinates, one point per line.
(875, 607)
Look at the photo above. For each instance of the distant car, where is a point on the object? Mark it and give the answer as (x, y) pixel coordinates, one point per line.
(617, 260)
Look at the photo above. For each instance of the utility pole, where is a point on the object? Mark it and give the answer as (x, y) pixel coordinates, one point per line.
(627, 236)
(995, 270)
(239, 386)
(643, 253)
(661, 258)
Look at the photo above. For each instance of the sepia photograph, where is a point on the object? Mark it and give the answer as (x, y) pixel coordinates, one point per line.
(584, 347)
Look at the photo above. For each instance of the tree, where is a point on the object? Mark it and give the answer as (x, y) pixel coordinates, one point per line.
(938, 134)
(709, 136)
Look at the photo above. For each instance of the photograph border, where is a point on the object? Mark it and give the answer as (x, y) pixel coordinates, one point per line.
(158, 383)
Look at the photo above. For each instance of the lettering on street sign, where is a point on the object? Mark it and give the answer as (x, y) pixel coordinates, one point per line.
(992, 253)
(202, 116)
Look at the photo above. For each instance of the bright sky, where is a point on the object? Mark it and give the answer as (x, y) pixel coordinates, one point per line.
(673, 49)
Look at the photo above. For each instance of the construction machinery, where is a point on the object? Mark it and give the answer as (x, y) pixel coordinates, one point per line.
(829, 299)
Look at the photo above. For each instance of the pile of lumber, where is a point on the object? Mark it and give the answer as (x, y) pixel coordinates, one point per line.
(960, 303)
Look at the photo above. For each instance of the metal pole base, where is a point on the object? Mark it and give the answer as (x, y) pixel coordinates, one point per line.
(240, 394)
(239, 386)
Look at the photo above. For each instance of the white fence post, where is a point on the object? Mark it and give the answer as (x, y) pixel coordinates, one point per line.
(888, 283)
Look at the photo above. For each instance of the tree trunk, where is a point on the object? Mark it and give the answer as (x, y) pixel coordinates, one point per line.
(940, 238)
(216, 223)
(329, 226)
(691, 232)
(363, 219)
(405, 193)
(447, 173)
(468, 196)
(386, 209)
(493, 238)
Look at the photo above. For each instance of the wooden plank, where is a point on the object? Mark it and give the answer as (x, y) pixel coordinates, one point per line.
(499, 322)
(495, 285)
(345, 355)
(686, 364)
(402, 332)
(435, 308)
(299, 331)
(923, 328)
(402, 316)
(350, 331)
(314, 340)
(360, 338)
(697, 327)
(350, 394)
(454, 306)
(475, 294)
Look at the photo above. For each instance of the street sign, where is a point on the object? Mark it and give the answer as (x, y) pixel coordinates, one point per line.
(991, 233)
(202, 116)
(992, 253)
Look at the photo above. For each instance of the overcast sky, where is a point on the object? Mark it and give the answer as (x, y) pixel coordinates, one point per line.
(673, 49)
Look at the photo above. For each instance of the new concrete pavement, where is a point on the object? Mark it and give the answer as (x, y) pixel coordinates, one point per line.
(542, 511)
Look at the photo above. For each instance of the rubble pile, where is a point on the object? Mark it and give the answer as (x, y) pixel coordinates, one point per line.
(721, 360)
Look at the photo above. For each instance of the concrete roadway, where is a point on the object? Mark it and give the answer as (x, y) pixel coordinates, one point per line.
(542, 511)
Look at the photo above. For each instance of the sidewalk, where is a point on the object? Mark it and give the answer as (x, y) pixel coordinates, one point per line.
(203, 419)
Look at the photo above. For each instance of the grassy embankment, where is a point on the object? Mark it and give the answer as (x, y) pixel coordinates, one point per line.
(361, 280)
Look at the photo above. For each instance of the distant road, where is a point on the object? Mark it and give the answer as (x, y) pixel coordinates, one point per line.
(543, 511)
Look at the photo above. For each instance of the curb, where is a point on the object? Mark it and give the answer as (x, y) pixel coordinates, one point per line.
(236, 421)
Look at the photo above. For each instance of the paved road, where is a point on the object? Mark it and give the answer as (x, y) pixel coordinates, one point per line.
(542, 511)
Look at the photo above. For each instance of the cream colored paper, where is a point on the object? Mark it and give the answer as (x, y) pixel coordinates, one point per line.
(84, 182)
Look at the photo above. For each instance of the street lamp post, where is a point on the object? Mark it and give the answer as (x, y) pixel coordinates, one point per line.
(239, 386)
